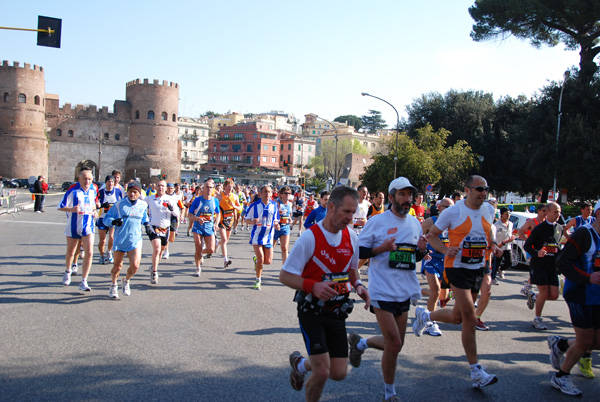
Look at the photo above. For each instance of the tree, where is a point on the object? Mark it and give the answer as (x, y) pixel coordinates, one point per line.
(373, 121)
(327, 158)
(575, 23)
(210, 114)
(351, 120)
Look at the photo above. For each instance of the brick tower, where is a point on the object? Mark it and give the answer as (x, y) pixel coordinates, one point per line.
(23, 141)
(153, 137)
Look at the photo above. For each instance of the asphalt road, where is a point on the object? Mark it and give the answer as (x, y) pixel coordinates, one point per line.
(215, 339)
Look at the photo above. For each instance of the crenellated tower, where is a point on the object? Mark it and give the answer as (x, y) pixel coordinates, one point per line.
(153, 137)
(23, 141)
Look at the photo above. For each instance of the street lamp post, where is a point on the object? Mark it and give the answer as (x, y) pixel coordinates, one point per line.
(481, 159)
(562, 88)
(336, 149)
(397, 128)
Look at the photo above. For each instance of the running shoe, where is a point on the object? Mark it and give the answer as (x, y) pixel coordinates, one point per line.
(113, 293)
(208, 255)
(482, 379)
(102, 260)
(565, 385)
(67, 278)
(198, 272)
(530, 299)
(420, 321)
(444, 302)
(299, 233)
(585, 367)
(500, 274)
(355, 353)
(257, 285)
(83, 286)
(166, 254)
(278, 242)
(537, 323)
(525, 289)
(296, 379)
(393, 398)
(74, 269)
(110, 257)
(254, 259)
(433, 329)
(556, 355)
(227, 263)
(480, 325)
(154, 277)
(495, 282)
(126, 288)
(234, 231)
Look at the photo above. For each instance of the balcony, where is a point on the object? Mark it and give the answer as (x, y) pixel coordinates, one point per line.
(189, 160)
(193, 137)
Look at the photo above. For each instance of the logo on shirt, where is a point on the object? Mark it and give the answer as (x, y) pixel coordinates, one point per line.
(327, 257)
(344, 251)
(392, 231)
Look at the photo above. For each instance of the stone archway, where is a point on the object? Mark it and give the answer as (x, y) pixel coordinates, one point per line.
(85, 164)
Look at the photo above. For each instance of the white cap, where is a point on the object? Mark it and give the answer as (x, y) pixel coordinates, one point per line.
(399, 184)
(597, 206)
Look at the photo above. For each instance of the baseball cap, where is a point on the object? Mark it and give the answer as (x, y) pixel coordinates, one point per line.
(399, 184)
(134, 185)
(597, 206)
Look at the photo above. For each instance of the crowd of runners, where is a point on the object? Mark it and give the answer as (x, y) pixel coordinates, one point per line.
(464, 245)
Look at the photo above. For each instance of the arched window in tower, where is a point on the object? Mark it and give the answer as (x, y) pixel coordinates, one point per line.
(6, 96)
(174, 117)
(106, 136)
(137, 114)
(36, 100)
(58, 132)
(117, 137)
(70, 133)
(164, 116)
(22, 98)
(150, 115)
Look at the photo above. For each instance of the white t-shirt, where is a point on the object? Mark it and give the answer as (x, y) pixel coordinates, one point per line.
(304, 247)
(386, 283)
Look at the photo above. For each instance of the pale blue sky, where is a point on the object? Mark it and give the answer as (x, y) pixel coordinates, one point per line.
(255, 56)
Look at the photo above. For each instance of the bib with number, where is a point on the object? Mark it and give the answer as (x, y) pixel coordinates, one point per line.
(473, 252)
(403, 257)
(341, 282)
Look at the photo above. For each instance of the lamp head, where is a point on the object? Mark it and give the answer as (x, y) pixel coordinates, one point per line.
(364, 94)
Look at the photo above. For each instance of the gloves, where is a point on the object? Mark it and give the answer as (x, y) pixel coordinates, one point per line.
(149, 230)
(117, 222)
(170, 207)
(106, 205)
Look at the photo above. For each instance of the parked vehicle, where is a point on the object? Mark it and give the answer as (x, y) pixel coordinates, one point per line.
(519, 256)
(10, 184)
(23, 183)
(66, 185)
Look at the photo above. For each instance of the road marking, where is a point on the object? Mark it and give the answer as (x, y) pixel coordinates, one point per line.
(36, 222)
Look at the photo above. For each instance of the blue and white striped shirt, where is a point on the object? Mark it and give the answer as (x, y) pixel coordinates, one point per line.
(262, 233)
(82, 223)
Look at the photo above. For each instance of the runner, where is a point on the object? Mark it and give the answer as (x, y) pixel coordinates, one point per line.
(523, 233)
(299, 202)
(160, 211)
(127, 215)
(311, 205)
(419, 208)
(579, 263)
(228, 204)
(80, 203)
(318, 214)
(322, 268)
(204, 213)
(469, 230)
(177, 204)
(264, 216)
(504, 238)
(433, 266)
(543, 244)
(395, 243)
(107, 197)
(377, 206)
(360, 216)
(585, 217)
(285, 213)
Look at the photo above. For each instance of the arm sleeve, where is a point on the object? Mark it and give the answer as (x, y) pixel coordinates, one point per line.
(529, 243)
(569, 260)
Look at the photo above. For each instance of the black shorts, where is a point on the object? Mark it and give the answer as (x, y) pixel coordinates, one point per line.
(223, 225)
(464, 278)
(396, 308)
(160, 233)
(584, 316)
(324, 334)
(174, 223)
(297, 214)
(544, 276)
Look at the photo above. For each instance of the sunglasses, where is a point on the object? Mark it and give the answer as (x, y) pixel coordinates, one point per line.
(481, 188)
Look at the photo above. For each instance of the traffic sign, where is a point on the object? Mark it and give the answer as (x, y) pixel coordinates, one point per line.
(429, 187)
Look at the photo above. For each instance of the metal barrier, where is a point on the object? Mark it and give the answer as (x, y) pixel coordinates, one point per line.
(10, 203)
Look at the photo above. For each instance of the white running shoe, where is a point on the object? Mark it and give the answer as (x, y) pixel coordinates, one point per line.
(537, 323)
(83, 286)
(126, 288)
(166, 254)
(154, 277)
(420, 321)
(74, 269)
(66, 278)
(525, 289)
(433, 329)
(110, 258)
(556, 356)
(198, 272)
(565, 385)
(113, 293)
(482, 379)
(531, 299)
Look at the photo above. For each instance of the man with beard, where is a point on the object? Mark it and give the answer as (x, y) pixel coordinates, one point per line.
(395, 243)
(469, 225)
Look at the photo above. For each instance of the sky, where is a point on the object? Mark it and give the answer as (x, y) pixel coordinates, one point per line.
(257, 56)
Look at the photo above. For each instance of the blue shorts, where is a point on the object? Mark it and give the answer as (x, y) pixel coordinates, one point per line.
(285, 231)
(204, 230)
(434, 266)
(100, 224)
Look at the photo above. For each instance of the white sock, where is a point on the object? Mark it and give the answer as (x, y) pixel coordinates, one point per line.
(362, 345)
(390, 390)
(475, 366)
(301, 368)
(258, 279)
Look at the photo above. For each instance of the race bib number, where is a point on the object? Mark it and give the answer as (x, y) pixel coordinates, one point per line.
(161, 232)
(206, 217)
(284, 220)
(404, 257)
(341, 282)
(473, 252)
(551, 248)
